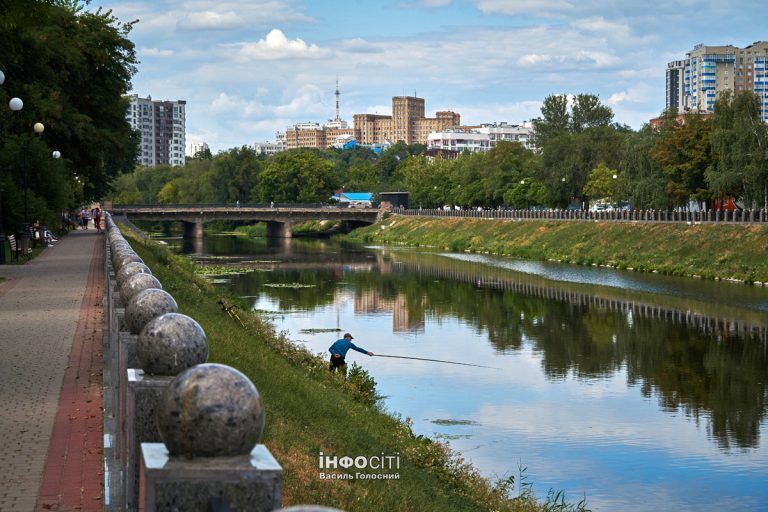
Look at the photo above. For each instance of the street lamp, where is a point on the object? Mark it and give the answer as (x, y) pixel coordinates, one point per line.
(2, 233)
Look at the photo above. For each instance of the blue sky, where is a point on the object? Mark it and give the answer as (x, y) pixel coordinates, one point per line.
(250, 67)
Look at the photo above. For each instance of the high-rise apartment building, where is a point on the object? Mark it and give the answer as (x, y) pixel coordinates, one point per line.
(198, 148)
(676, 85)
(709, 70)
(407, 123)
(162, 125)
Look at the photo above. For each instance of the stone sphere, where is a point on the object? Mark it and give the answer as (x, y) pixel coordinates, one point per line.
(135, 284)
(131, 269)
(171, 343)
(120, 243)
(146, 305)
(210, 410)
(124, 258)
(121, 251)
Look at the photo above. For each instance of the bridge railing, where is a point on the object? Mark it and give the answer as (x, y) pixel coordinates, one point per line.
(720, 216)
(117, 208)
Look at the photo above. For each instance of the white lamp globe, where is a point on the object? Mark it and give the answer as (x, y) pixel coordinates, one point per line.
(16, 104)
(56, 154)
(39, 128)
(2, 78)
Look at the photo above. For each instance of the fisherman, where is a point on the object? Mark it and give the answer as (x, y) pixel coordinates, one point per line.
(339, 350)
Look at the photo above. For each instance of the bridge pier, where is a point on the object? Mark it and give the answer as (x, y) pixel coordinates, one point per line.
(193, 229)
(278, 229)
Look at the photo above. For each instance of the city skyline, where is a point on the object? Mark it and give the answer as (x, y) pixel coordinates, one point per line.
(248, 69)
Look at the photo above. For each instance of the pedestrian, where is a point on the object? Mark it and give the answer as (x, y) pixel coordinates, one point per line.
(97, 219)
(339, 351)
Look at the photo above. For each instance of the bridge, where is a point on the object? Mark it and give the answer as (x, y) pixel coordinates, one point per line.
(278, 218)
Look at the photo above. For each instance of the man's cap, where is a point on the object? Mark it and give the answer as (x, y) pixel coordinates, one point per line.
(347, 335)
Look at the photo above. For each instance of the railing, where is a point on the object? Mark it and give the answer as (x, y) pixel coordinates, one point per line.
(693, 217)
(154, 358)
(118, 208)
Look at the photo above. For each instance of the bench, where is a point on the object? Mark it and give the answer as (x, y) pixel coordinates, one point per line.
(16, 249)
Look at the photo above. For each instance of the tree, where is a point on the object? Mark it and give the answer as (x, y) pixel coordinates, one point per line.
(643, 182)
(233, 175)
(740, 148)
(683, 150)
(554, 119)
(602, 183)
(588, 112)
(525, 193)
(296, 176)
(72, 69)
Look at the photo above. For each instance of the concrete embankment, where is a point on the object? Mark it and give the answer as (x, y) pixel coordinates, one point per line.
(714, 251)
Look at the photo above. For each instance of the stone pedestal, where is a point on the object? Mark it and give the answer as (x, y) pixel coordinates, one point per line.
(143, 398)
(243, 482)
(126, 359)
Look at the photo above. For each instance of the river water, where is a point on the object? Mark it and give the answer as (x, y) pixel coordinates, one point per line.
(638, 391)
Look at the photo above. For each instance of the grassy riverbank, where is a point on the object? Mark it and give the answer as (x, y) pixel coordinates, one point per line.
(713, 251)
(309, 410)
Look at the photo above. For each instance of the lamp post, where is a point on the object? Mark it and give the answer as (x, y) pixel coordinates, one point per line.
(2, 233)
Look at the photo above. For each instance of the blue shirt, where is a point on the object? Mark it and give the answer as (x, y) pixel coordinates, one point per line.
(342, 346)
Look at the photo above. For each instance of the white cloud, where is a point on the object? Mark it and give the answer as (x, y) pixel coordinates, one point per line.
(307, 101)
(359, 45)
(236, 106)
(536, 7)
(597, 58)
(639, 93)
(277, 46)
(154, 52)
(211, 20)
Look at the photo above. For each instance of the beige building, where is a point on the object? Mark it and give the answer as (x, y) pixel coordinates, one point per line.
(407, 123)
(710, 70)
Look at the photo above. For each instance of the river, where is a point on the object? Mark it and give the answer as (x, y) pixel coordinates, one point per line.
(640, 392)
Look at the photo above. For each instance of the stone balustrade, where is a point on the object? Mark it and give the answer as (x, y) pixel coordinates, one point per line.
(188, 429)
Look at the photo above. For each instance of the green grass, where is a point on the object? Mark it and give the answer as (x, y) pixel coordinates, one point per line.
(714, 251)
(309, 410)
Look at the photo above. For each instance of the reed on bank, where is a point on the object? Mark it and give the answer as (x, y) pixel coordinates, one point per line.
(712, 251)
(309, 410)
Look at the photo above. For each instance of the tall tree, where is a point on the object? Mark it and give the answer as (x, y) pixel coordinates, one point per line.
(683, 149)
(555, 119)
(72, 68)
(588, 112)
(296, 176)
(740, 147)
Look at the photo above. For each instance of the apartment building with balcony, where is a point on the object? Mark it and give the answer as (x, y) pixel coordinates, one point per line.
(709, 70)
(162, 126)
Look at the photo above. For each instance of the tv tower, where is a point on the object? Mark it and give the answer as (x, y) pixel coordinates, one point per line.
(338, 116)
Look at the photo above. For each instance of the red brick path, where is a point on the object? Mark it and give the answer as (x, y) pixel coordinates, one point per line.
(73, 477)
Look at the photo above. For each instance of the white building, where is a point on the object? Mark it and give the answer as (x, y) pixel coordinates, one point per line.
(270, 148)
(522, 133)
(459, 140)
(198, 147)
(162, 125)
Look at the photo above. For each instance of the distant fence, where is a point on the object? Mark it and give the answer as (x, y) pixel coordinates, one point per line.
(720, 216)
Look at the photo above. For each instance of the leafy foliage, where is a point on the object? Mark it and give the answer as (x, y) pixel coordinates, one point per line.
(71, 67)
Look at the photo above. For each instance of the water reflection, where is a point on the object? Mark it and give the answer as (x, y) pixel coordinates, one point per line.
(582, 363)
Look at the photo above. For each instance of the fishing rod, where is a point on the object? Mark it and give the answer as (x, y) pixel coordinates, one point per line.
(436, 361)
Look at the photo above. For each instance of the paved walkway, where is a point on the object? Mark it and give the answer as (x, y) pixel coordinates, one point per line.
(51, 424)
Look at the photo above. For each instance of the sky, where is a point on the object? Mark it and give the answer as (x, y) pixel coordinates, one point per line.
(248, 68)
